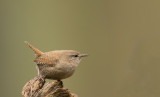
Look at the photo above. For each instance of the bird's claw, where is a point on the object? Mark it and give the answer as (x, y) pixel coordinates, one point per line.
(60, 83)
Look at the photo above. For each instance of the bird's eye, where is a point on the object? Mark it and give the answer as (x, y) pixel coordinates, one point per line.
(75, 55)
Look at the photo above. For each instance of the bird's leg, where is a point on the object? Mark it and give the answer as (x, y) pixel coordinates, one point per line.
(60, 83)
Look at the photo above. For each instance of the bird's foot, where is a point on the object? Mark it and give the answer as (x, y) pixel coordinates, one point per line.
(41, 79)
(60, 83)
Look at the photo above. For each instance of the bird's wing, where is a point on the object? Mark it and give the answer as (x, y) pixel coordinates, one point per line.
(47, 60)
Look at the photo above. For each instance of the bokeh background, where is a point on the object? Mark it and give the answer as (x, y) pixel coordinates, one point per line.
(122, 38)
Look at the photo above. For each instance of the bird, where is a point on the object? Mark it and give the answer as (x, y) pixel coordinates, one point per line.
(57, 64)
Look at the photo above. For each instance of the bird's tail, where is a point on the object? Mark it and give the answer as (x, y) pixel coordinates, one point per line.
(37, 52)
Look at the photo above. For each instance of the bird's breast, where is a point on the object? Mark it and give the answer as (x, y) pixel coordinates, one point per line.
(58, 72)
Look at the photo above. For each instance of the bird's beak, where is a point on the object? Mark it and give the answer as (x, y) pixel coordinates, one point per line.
(83, 55)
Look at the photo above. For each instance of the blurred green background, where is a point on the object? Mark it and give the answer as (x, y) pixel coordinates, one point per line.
(122, 38)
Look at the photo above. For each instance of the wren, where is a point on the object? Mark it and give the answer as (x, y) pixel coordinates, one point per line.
(56, 65)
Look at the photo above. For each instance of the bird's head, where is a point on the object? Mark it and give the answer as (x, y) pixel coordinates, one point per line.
(70, 56)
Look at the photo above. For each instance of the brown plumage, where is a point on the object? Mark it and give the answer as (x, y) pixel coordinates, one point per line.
(58, 64)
